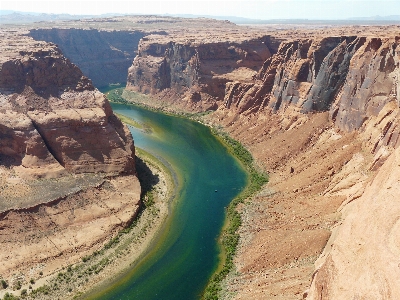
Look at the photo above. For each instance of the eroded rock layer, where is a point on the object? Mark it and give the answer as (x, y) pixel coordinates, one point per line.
(51, 113)
(196, 71)
(322, 117)
(67, 163)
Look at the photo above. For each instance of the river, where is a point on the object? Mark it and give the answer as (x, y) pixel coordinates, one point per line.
(186, 252)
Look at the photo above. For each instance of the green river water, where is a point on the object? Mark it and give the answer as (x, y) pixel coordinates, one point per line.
(186, 253)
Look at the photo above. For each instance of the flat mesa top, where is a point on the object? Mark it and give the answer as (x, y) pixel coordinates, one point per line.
(192, 30)
(16, 43)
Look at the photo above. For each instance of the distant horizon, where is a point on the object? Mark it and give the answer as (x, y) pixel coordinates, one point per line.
(252, 9)
(368, 18)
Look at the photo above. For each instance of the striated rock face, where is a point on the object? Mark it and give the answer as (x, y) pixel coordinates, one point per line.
(372, 81)
(51, 114)
(352, 77)
(103, 56)
(48, 236)
(197, 72)
(21, 145)
(67, 164)
(304, 73)
(322, 117)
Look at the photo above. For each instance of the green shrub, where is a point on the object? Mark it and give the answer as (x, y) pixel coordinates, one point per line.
(17, 285)
(4, 284)
(9, 296)
(45, 289)
(24, 293)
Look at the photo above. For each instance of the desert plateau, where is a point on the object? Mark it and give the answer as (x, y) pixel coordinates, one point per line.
(316, 105)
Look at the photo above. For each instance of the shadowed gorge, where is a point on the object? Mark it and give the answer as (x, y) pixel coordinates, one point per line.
(103, 56)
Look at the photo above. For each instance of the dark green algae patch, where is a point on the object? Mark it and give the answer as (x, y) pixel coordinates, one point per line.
(170, 271)
(229, 237)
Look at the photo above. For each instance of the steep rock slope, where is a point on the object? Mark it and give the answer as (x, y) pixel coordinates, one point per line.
(196, 71)
(321, 117)
(320, 114)
(103, 55)
(67, 164)
(47, 97)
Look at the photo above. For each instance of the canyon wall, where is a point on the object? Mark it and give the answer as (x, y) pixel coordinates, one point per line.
(67, 163)
(321, 116)
(194, 71)
(103, 56)
(51, 112)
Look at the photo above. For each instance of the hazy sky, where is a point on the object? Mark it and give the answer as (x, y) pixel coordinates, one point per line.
(256, 9)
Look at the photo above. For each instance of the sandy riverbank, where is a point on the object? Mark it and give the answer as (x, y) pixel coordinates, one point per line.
(119, 254)
(160, 184)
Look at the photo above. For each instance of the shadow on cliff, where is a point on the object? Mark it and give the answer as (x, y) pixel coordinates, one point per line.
(146, 177)
(9, 161)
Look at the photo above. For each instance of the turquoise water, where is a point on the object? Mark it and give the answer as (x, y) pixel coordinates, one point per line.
(185, 254)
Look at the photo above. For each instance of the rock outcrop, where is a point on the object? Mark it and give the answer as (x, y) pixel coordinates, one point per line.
(67, 163)
(197, 72)
(52, 113)
(361, 258)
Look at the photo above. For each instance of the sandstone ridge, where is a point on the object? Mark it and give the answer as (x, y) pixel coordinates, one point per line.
(52, 115)
(67, 163)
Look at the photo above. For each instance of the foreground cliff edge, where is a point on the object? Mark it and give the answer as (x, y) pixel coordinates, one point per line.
(68, 178)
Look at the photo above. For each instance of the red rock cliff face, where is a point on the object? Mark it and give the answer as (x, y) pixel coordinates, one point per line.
(67, 170)
(352, 78)
(201, 70)
(304, 73)
(355, 82)
(52, 116)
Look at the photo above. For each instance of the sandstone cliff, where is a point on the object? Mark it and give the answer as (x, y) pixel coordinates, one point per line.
(322, 117)
(67, 163)
(196, 71)
(52, 113)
